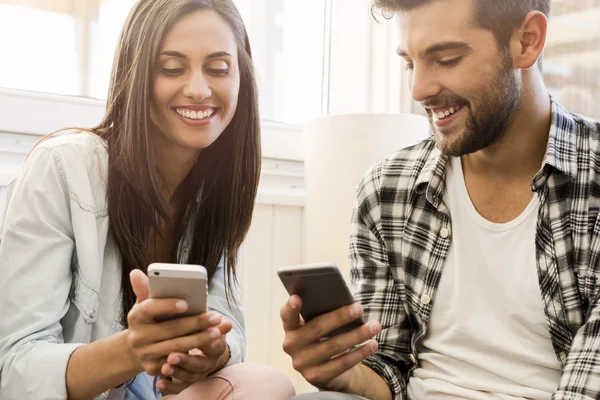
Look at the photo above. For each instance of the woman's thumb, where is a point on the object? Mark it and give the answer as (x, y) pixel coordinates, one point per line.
(139, 283)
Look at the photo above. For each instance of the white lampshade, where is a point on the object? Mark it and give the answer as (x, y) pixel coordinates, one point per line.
(339, 150)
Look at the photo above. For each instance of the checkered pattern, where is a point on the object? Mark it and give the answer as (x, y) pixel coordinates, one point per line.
(401, 232)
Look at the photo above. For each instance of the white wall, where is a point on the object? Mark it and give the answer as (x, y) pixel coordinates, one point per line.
(274, 240)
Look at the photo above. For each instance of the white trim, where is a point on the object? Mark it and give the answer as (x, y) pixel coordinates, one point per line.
(35, 113)
(326, 58)
(282, 141)
(55, 98)
(278, 197)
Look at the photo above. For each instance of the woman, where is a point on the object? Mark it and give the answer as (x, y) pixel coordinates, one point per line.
(169, 175)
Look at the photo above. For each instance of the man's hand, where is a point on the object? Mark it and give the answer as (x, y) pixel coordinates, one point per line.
(327, 363)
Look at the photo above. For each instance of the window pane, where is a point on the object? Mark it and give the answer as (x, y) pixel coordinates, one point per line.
(67, 47)
(287, 38)
(104, 36)
(572, 55)
(39, 50)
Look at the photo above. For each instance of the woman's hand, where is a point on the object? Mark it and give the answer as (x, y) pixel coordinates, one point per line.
(194, 366)
(152, 342)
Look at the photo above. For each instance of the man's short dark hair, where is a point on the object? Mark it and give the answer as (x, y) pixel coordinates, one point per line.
(501, 17)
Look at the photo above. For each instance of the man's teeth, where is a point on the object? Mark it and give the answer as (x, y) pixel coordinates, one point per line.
(195, 114)
(445, 113)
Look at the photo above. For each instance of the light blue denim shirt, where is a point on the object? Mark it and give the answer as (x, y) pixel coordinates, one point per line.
(60, 273)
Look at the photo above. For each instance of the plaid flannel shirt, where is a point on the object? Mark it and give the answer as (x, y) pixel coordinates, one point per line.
(401, 232)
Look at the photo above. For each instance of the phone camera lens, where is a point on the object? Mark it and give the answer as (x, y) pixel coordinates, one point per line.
(156, 273)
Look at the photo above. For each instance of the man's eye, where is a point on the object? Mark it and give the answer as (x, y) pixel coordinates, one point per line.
(450, 63)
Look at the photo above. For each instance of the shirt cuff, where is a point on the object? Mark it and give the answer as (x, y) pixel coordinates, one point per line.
(389, 372)
(235, 348)
(570, 396)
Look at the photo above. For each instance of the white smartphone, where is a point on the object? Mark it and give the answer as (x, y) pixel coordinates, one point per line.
(321, 288)
(179, 281)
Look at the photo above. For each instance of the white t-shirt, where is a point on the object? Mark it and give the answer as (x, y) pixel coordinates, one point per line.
(487, 336)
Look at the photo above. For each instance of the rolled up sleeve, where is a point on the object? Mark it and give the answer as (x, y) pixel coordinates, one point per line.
(375, 289)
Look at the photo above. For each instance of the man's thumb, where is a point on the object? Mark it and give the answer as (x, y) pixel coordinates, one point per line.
(139, 283)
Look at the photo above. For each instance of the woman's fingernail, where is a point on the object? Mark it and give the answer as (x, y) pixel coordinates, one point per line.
(181, 305)
(215, 319)
(161, 386)
(214, 333)
(176, 360)
(170, 371)
(195, 352)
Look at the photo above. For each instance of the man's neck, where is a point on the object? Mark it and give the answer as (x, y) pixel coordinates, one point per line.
(520, 152)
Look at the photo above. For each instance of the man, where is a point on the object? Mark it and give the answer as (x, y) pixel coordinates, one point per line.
(475, 254)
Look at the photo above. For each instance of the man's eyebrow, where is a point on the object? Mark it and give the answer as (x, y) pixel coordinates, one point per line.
(438, 47)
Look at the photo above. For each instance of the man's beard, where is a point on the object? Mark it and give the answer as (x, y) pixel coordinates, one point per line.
(495, 110)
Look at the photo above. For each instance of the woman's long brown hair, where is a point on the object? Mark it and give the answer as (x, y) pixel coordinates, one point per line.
(226, 173)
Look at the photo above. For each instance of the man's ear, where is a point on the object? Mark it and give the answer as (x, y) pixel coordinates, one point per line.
(529, 40)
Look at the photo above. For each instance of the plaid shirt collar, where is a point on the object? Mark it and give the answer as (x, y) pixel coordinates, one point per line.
(561, 155)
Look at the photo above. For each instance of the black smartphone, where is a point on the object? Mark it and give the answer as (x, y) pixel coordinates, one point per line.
(321, 288)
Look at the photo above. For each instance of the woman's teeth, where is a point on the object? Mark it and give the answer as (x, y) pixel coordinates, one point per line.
(195, 115)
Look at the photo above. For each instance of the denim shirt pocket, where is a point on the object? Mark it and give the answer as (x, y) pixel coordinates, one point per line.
(86, 299)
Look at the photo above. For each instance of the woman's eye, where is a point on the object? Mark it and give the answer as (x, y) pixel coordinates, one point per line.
(172, 71)
(218, 72)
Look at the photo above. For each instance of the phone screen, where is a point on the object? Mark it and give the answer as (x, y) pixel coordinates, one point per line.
(322, 290)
